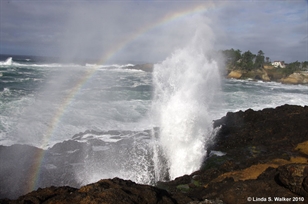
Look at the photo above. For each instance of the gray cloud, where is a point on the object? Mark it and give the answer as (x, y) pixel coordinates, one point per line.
(94, 29)
(276, 27)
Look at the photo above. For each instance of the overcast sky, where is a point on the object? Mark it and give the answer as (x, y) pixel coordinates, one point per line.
(151, 30)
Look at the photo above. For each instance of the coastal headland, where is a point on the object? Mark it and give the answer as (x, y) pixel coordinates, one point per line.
(258, 67)
(266, 73)
(256, 156)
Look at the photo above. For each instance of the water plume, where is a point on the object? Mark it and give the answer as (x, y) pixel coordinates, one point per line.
(185, 87)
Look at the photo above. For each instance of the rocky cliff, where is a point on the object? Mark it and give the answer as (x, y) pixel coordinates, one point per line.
(259, 74)
(268, 74)
(296, 78)
(256, 156)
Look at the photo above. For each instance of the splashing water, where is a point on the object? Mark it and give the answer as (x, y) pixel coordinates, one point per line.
(185, 86)
(185, 89)
(7, 62)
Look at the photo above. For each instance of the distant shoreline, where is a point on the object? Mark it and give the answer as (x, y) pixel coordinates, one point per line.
(272, 75)
(148, 67)
(262, 74)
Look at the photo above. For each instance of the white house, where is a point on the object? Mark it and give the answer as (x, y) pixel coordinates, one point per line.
(279, 64)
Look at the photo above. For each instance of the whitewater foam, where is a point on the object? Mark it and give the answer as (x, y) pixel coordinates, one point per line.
(8, 61)
(109, 65)
(185, 86)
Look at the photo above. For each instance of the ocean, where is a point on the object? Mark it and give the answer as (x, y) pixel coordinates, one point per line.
(165, 116)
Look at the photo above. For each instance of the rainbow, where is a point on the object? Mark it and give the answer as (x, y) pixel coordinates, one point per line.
(60, 112)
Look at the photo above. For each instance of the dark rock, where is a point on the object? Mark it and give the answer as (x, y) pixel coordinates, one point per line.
(294, 177)
(20, 163)
(70, 145)
(265, 156)
(16, 163)
(256, 144)
(109, 191)
(207, 201)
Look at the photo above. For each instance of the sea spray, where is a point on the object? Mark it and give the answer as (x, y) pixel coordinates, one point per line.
(8, 62)
(185, 85)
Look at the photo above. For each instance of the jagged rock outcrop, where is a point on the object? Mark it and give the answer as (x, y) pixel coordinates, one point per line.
(246, 158)
(259, 74)
(295, 178)
(255, 156)
(109, 191)
(235, 74)
(296, 78)
(268, 74)
(15, 167)
(24, 168)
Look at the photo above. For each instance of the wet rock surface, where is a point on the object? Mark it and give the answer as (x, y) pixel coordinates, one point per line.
(256, 152)
(24, 168)
(256, 156)
(294, 177)
(111, 191)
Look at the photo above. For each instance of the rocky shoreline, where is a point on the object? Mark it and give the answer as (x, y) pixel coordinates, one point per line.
(256, 156)
(267, 75)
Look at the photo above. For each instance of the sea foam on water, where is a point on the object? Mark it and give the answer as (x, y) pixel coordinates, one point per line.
(184, 91)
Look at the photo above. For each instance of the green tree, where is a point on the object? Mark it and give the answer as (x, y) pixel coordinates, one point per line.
(259, 59)
(247, 61)
(237, 54)
(291, 68)
(232, 56)
(305, 65)
(267, 59)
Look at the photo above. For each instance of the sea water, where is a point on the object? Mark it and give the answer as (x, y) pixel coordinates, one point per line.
(36, 96)
(165, 115)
